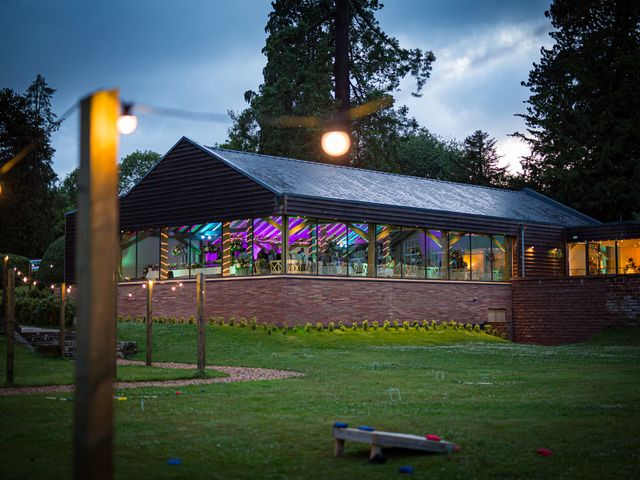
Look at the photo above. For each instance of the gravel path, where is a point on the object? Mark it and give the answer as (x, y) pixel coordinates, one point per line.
(236, 374)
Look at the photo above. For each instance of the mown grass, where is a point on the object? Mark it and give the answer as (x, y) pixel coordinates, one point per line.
(35, 370)
(499, 401)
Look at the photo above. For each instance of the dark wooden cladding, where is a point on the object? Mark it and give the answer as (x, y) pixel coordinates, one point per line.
(606, 231)
(70, 248)
(540, 261)
(361, 212)
(189, 186)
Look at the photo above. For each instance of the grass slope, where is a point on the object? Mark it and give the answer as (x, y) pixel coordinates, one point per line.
(499, 401)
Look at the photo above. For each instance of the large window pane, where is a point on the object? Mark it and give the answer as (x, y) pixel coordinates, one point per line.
(177, 251)
(388, 251)
(303, 253)
(148, 257)
(267, 244)
(206, 249)
(501, 265)
(413, 248)
(128, 256)
(240, 243)
(459, 256)
(332, 248)
(358, 249)
(577, 259)
(480, 257)
(602, 257)
(436, 254)
(629, 256)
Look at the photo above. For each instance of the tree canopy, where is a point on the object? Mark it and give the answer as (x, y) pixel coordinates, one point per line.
(28, 203)
(298, 81)
(583, 115)
(135, 166)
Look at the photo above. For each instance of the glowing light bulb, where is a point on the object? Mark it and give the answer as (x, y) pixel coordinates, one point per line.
(180, 284)
(127, 122)
(336, 143)
(25, 279)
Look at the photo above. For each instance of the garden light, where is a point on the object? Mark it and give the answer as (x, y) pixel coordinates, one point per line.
(336, 143)
(127, 122)
(25, 279)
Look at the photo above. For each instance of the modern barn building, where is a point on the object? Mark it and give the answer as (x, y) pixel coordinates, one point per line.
(291, 241)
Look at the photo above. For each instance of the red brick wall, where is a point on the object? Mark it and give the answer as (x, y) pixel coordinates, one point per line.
(564, 310)
(302, 299)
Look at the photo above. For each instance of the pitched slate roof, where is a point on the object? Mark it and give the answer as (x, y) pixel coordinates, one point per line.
(285, 176)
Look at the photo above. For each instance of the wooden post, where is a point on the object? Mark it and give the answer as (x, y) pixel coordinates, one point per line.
(63, 298)
(149, 322)
(202, 338)
(29, 276)
(9, 313)
(96, 266)
(371, 251)
(5, 284)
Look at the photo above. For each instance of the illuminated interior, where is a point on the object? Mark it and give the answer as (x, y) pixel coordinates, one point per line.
(309, 246)
(604, 257)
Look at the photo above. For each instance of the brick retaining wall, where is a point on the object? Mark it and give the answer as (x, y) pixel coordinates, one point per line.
(303, 299)
(564, 310)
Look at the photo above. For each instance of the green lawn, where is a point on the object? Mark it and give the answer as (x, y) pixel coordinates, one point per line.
(499, 401)
(33, 370)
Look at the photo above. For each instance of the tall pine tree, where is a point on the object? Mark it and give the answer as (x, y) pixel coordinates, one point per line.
(583, 115)
(28, 202)
(479, 162)
(298, 81)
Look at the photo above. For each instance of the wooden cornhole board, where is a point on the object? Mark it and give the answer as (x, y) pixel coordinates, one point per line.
(378, 439)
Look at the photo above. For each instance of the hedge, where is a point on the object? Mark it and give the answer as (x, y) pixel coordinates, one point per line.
(52, 265)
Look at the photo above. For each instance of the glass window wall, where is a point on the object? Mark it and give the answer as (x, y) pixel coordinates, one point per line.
(481, 257)
(128, 242)
(413, 257)
(267, 244)
(436, 254)
(459, 256)
(177, 242)
(358, 249)
(240, 247)
(332, 248)
(206, 249)
(388, 251)
(148, 255)
(302, 248)
(501, 258)
(602, 257)
(629, 256)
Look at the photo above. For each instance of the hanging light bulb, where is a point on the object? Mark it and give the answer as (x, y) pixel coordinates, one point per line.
(336, 143)
(127, 122)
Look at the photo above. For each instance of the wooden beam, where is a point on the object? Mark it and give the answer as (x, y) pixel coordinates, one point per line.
(149, 322)
(63, 297)
(202, 339)
(9, 313)
(96, 266)
(5, 283)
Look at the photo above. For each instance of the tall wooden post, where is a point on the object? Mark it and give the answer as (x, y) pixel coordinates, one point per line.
(5, 283)
(63, 298)
(149, 322)
(96, 264)
(29, 276)
(202, 338)
(9, 313)
(371, 250)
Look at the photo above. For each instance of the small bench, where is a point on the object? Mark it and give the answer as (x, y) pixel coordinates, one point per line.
(378, 439)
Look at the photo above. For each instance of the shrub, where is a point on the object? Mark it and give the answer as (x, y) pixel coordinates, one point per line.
(488, 329)
(331, 327)
(192, 320)
(453, 325)
(468, 326)
(434, 325)
(406, 325)
(243, 322)
(52, 265)
(220, 321)
(182, 321)
(365, 325)
(386, 325)
(319, 326)
(212, 321)
(232, 321)
(396, 325)
(375, 325)
(476, 328)
(42, 307)
(416, 325)
(341, 326)
(253, 321)
(308, 327)
(354, 326)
